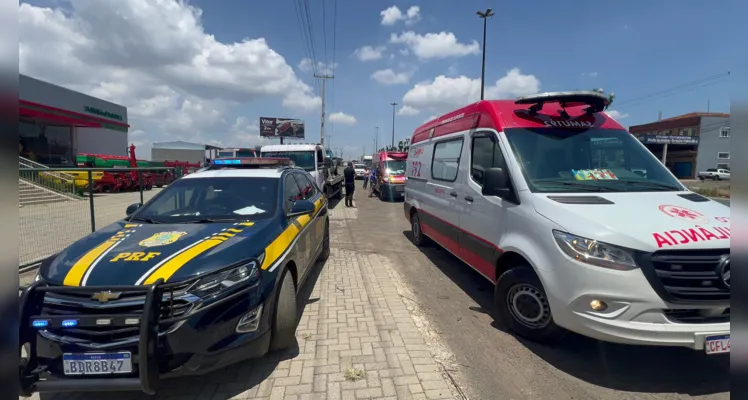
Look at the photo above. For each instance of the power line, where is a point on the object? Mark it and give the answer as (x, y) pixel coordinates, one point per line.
(699, 83)
(324, 29)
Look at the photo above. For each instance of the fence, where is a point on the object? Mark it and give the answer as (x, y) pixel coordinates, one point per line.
(52, 217)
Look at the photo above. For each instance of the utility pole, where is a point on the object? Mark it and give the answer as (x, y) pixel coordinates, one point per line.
(393, 124)
(484, 16)
(376, 139)
(322, 128)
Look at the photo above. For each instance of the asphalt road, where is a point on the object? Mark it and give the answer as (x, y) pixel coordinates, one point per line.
(489, 363)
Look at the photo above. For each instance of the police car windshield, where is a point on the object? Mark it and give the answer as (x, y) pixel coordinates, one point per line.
(213, 200)
(574, 160)
(301, 159)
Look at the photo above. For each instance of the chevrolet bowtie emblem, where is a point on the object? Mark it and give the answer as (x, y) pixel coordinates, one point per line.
(104, 297)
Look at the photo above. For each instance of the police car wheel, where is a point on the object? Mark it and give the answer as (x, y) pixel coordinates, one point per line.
(285, 318)
(522, 306)
(325, 254)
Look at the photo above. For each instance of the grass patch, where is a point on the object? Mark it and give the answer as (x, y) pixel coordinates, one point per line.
(353, 374)
(723, 192)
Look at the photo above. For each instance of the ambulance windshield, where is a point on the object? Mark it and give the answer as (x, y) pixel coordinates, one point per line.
(573, 160)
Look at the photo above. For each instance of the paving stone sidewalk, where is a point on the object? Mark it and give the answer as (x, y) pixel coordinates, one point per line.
(357, 340)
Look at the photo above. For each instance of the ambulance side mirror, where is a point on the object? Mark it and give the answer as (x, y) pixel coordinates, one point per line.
(496, 183)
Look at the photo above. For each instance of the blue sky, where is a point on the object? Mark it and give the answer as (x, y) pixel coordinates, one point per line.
(631, 48)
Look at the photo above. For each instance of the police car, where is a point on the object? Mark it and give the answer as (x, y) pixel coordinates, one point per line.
(200, 277)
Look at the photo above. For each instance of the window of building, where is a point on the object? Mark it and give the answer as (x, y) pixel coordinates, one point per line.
(50, 145)
(446, 160)
(723, 155)
(724, 132)
(723, 166)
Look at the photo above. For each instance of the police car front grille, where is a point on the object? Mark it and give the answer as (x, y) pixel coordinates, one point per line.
(691, 275)
(67, 305)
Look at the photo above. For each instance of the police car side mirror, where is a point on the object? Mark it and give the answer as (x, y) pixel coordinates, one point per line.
(132, 208)
(301, 207)
(496, 183)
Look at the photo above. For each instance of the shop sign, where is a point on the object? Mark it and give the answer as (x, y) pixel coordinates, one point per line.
(668, 139)
(103, 113)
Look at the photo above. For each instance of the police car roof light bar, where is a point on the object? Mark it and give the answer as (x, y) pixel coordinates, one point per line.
(595, 101)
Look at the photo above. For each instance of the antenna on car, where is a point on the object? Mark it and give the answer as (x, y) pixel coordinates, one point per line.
(595, 101)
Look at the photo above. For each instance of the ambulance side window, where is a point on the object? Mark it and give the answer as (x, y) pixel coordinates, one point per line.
(446, 160)
(485, 154)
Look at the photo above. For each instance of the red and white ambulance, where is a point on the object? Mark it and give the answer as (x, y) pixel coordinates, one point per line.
(576, 223)
(390, 167)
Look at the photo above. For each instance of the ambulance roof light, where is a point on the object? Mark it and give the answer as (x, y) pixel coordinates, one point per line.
(595, 101)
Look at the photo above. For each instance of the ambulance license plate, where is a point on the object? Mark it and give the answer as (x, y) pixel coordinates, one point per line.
(717, 344)
(97, 363)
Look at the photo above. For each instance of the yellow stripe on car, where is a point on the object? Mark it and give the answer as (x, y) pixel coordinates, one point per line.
(172, 266)
(279, 245)
(76, 274)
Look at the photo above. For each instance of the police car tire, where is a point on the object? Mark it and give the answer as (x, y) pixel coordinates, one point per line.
(285, 317)
(525, 276)
(325, 254)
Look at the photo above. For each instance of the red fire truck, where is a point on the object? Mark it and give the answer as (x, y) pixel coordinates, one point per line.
(390, 167)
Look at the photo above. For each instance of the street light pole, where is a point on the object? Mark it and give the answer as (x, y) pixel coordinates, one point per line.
(393, 124)
(376, 139)
(484, 17)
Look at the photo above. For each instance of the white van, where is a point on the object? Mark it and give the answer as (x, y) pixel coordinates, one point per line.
(576, 223)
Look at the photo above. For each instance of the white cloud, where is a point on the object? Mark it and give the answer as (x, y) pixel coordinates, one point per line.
(156, 58)
(306, 65)
(342, 118)
(431, 118)
(392, 15)
(369, 53)
(590, 74)
(407, 111)
(444, 94)
(615, 114)
(435, 45)
(390, 77)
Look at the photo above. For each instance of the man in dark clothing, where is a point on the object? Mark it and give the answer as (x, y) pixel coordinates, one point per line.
(350, 184)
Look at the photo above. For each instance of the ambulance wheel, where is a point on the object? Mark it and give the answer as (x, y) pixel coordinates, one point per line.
(419, 239)
(522, 306)
(325, 254)
(283, 334)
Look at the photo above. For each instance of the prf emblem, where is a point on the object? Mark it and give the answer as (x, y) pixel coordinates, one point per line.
(103, 297)
(135, 256)
(162, 239)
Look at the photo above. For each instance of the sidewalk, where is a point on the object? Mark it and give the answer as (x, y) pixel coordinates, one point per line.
(357, 340)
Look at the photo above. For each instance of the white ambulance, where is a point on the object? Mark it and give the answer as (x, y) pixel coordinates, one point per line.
(576, 223)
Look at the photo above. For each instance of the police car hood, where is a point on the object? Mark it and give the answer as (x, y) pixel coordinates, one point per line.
(648, 221)
(134, 254)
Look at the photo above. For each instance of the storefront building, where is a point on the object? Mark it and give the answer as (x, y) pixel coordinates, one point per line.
(688, 143)
(58, 123)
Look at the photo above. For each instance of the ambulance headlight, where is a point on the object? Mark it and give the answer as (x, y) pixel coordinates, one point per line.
(216, 283)
(595, 253)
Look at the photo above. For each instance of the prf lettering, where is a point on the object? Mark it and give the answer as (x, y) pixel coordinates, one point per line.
(135, 256)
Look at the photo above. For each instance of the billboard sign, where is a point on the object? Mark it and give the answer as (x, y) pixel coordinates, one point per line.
(281, 128)
(662, 139)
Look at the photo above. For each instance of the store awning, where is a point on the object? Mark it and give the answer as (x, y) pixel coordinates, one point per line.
(50, 118)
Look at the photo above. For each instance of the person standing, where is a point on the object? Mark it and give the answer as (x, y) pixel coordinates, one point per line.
(350, 184)
(372, 180)
(366, 176)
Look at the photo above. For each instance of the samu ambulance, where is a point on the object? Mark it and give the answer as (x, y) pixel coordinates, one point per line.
(576, 223)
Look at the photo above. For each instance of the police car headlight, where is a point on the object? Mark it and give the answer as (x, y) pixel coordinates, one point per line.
(216, 283)
(595, 253)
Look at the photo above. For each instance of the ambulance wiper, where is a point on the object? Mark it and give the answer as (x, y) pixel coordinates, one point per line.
(654, 185)
(147, 220)
(583, 186)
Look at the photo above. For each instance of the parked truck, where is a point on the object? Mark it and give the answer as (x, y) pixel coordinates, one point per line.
(717, 174)
(314, 159)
